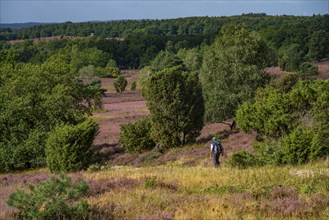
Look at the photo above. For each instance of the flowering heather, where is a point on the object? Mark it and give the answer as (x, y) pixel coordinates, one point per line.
(101, 186)
(10, 179)
(280, 193)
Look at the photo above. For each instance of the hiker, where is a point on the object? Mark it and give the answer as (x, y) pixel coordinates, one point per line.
(216, 149)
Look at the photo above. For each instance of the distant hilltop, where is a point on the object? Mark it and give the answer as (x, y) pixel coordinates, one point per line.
(33, 24)
(21, 25)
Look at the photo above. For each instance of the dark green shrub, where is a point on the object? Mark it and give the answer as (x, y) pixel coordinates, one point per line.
(268, 152)
(318, 45)
(243, 160)
(96, 91)
(296, 119)
(136, 136)
(68, 147)
(174, 98)
(23, 153)
(320, 144)
(55, 198)
(307, 70)
(120, 84)
(296, 146)
(133, 86)
(289, 57)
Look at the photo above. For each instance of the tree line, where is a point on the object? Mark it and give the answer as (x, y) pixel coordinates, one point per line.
(292, 39)
(134, 52)
(165, 27)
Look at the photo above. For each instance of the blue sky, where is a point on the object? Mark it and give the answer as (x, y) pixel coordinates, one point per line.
(12, 11)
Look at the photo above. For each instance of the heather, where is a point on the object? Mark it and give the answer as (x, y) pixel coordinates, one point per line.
(178, 191)
(174, 191)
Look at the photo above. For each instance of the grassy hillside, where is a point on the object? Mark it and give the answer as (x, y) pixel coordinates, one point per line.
(180, 190)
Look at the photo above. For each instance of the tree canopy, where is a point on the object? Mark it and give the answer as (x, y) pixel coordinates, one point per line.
(232, 71)
(34, 98)
(174, 99)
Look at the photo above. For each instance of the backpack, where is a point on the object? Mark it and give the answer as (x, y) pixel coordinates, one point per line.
(218, 148)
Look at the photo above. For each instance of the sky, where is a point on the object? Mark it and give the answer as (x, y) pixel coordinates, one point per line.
(21, 11)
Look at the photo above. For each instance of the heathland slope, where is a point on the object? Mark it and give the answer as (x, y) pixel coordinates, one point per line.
(181, 183)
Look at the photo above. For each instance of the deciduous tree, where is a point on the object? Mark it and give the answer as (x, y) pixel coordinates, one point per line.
(232, 71)
(33, 100)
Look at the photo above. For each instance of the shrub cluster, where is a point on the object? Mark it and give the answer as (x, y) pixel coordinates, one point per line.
(68, 147)
(244, 159)
(133, 86)
(136, 136)
(291, 120)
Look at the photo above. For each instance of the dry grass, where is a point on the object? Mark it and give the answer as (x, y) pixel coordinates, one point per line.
(177, 192)
(174, 191)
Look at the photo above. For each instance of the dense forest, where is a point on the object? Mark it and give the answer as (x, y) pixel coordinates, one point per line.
(133, 44)
(169, 27)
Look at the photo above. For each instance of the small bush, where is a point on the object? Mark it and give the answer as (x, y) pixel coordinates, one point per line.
(120, 84)
(68, 147)
(133, 86)
(243, 160)
(96, 91)
(269, 152)
(136, 136)
(55, 198)
(296, 146)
